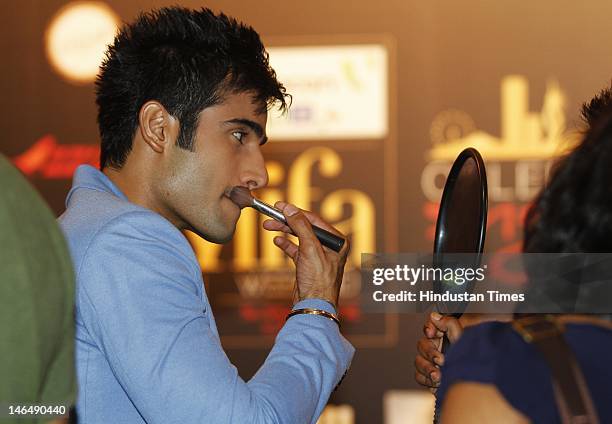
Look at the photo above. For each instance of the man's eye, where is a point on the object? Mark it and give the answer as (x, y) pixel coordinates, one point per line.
(239, 135)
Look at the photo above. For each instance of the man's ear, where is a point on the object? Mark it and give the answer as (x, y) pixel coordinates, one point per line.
(157, 127)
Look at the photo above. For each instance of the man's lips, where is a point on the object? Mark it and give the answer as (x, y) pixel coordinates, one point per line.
(225, 196)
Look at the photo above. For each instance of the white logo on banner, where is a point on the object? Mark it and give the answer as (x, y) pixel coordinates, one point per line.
(339, 92)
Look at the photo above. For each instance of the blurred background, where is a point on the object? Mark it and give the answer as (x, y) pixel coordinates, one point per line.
(385, 95)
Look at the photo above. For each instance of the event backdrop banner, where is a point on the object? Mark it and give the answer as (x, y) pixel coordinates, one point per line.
(385, 95)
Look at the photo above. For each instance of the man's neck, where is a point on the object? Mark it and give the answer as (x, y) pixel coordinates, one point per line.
(137, 188)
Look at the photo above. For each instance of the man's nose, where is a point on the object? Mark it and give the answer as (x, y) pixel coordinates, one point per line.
(255, 174)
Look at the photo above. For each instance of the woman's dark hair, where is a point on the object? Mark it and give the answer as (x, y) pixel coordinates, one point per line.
(185, 59)
(592, 111)
(573, 213)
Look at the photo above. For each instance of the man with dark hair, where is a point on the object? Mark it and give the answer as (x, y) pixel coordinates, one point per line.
(183, 98)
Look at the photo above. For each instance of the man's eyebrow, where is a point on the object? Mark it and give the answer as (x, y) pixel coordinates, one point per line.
(257, 129)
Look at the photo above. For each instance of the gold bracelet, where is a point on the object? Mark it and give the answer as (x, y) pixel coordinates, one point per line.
(314, 311)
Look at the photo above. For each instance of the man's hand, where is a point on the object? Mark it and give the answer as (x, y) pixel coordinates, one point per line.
(319, 270)
(429, 358)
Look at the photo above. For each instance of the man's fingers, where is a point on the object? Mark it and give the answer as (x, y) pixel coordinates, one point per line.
(301, 216)
(286, 246)
(319, 222)
(274, 225)
(280, 205)
(300, 226)
(313, 218)
(448, 325)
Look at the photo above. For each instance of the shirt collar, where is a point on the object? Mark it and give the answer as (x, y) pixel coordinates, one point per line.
(86, 176)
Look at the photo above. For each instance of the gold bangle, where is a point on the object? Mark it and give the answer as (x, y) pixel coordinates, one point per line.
(313, 311)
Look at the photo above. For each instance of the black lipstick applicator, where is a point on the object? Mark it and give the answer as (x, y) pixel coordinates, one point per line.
(242, 197)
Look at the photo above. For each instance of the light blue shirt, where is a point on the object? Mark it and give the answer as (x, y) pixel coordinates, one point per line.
(148, 350)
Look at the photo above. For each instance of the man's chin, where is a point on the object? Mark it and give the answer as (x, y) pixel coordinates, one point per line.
(220, 236)
(223, 240)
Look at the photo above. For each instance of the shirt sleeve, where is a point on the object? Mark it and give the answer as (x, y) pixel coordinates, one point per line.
(141, 299)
